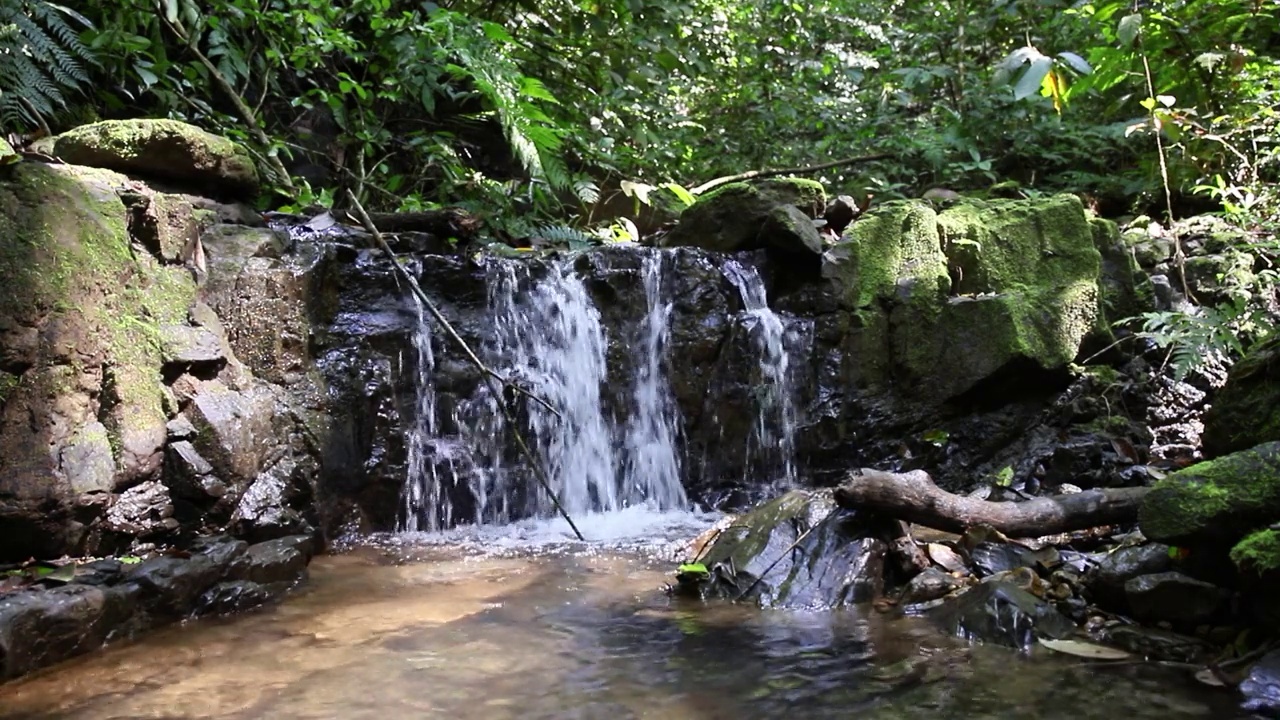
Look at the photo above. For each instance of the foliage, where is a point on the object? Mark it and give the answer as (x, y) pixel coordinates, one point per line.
(42, 60)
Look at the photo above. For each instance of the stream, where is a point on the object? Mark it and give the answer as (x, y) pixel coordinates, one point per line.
(519, 622)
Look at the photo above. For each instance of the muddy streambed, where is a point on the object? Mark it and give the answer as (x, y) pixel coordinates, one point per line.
(520, 624)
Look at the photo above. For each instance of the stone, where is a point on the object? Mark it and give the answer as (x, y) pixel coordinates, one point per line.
(734, 217)
(991, 558)
(86, 460)
(190, 476)
(165, 225)
(840, 212)
(180, 428)
(171, 585)
(272, 561)
(234, 430)
(142, 511)
(1174, 597)
(1261, 689)
(231, 597)
(1107, 579)
(929, 585)
(1125, 290)
(166, 149)
(1215, 502)
(1157, 644)
(39, 628)
(191, 347)
(1001, 613)
(1259, 552)
(837, 564)
(265, 510)
(1246, 411)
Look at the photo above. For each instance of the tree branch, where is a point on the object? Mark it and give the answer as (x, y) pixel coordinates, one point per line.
(757, 174)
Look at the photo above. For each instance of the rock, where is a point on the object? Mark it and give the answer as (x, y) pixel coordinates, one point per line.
(142, 511)
(170, 585)
(86, 460)
(232, 597)
(39, 628)
(743, 216)
(165, 149)
(222, 550)
(1156, 644)
(235, 430)
(946, 300)
(8, 155)
(837, 564)
(990, 558)
(1215, 502)
(840, 212)
(929, 585)
(1261, 689)
(191, 349)
(1001, 613)
(273, 561)
(190, 476)
(1174, 597)
(1259, 552)
(180, 428)
(265, 510)
(1125, 290)
(1107, 580)
(165, 224)
(1246, 411)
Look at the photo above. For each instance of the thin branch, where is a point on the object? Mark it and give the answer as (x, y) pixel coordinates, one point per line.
(492, 377)
(757, 174)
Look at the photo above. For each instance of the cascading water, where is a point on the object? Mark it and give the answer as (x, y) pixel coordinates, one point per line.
(772, 442)
(547, 336)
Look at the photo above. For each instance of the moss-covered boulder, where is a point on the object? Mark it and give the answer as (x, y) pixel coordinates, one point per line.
(774, 214)
(162, 149)
(1125, 289)
(799, 550)
(1246, 410)
(81, 396)
(1215, 503)
(944, 300)
(1258, 552)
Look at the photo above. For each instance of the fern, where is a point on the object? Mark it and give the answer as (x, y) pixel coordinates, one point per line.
(1207, 336)
(570, 237)
(41, 59)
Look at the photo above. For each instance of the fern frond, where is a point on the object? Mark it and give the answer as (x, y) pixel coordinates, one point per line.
(42, 59)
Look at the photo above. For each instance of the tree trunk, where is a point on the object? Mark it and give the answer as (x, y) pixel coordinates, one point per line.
(913, 497)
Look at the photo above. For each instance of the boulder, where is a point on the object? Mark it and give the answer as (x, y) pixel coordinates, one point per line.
(762, 555)
(1261, 689)
(273, 561)
(164, 149)
(142, 511)
(742, 216)
(232, 596)
(1106, 582)
(928, 586)
(1246, 411)
(1215, 502)
(41, 627)
(165, 224)
(191, 348)
(234, 430)
(1259, 552)
(945, 300)
(171, 585)
(1002, 613)
(1174, 597)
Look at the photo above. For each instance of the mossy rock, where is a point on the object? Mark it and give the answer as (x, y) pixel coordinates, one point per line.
(1246, 410)
(946, 299)
(1217, 502)
(744, 216)
(1125, 289)
(1258, 552)
(162, 149)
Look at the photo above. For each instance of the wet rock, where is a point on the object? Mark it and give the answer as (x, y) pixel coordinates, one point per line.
(272, 561)
(1215, 502)
(143, 511)
(191, 347)
(990, 558)
(1261, 689)
(1107, 580)
(165, 149)
(170, 585)
(840, 212)
(1246, 411)
(234, 429)
(232, 597)
(39, 628)
(1174, 597)
(734, 217)
(190, 476)
(929, 585)
(221, 550)
(267, 508)
(1157, 644)
(836, 564)
(86, 460)
(998, 612)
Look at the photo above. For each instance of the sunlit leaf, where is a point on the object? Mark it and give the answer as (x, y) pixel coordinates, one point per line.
(1076, 62)
(1130, 26)
(1082, 649)
(1033, 78)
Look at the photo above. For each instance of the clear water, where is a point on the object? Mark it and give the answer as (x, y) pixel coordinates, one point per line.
(772, 442)
(479, 624)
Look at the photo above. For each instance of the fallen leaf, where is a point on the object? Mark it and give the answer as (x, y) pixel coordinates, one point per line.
(1209, 677)
(945, 557)
(1082, 649)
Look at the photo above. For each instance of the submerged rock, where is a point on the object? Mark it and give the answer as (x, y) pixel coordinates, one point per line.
(798, 550)
(1002, 613)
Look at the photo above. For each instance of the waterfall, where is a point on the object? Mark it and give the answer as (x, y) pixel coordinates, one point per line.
(547, 336)
(772, 442)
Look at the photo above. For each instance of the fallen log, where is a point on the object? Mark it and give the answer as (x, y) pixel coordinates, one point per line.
(913, 497)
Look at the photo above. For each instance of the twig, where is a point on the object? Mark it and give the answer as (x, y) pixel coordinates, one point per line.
(757, 174)
(786, 552)
(490, 376)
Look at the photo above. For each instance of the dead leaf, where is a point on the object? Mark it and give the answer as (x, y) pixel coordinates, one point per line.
(1209, 677)
(946, 558)
(1125, 449)
(1079, 648)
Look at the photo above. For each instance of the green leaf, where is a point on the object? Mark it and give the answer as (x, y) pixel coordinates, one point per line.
(1033, 78)
(1130, 26)
(693, 569)
(680, 192)
(936, 437)
(130, 559)
(1076, 62)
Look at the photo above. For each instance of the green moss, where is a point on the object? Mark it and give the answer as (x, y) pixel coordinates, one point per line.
(1215, 501)
(1258, 552)
(8, 382)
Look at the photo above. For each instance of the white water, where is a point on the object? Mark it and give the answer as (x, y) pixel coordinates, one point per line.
(773, 436)
(547, 336)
